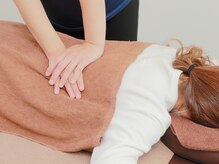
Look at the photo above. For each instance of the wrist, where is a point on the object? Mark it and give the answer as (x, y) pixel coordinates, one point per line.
(100, 45)
(55, 52)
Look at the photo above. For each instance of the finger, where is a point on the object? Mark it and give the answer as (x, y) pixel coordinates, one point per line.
(69, 90)
(76, 90)
(53, 63)
(77, 72)
(58, 70)
(80, 82)
(56, 87)
(68, 70)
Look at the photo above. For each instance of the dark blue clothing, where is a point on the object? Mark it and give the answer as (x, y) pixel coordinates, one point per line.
(67, 13)
(113, 7)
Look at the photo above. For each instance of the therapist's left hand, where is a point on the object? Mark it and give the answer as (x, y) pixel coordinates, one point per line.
(69, 65)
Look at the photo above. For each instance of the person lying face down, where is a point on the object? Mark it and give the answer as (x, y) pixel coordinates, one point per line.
(147, 93)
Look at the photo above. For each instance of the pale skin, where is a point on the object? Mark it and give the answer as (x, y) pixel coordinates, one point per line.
(66, 64)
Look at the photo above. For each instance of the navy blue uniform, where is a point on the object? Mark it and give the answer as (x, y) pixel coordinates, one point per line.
(66, 15)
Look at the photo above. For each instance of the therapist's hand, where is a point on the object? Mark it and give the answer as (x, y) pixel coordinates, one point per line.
(73, 90)
(67, 68)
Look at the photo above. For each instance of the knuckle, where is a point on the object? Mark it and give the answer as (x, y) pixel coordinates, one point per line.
(68, 70)
(78, 69)
(55, 75)
(58, 71)
(64, 79)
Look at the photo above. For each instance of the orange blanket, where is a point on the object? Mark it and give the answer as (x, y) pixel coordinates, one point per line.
(29, 108)
(28, 105)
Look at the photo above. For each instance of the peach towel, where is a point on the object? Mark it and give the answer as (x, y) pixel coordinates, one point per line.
(28, 105)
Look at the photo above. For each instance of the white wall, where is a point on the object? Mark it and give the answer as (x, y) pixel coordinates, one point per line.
(192, 21)
(8, 11)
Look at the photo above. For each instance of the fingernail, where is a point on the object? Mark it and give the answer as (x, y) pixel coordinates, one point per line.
(51, 82)
(56, 91)
(47, 73)
(78, 96)
(73, 81)
(60, 85)
(81, 88)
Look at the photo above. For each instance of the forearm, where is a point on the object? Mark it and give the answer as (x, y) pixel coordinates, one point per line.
(94, 21)
(39, 25)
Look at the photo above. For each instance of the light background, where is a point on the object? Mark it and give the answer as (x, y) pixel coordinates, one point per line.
(194, 22)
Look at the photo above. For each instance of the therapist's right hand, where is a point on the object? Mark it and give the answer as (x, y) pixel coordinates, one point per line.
(73, 89)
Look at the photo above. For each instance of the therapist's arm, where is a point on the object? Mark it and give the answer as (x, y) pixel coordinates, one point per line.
(94, 21)
(39, 25)
(79, 56)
